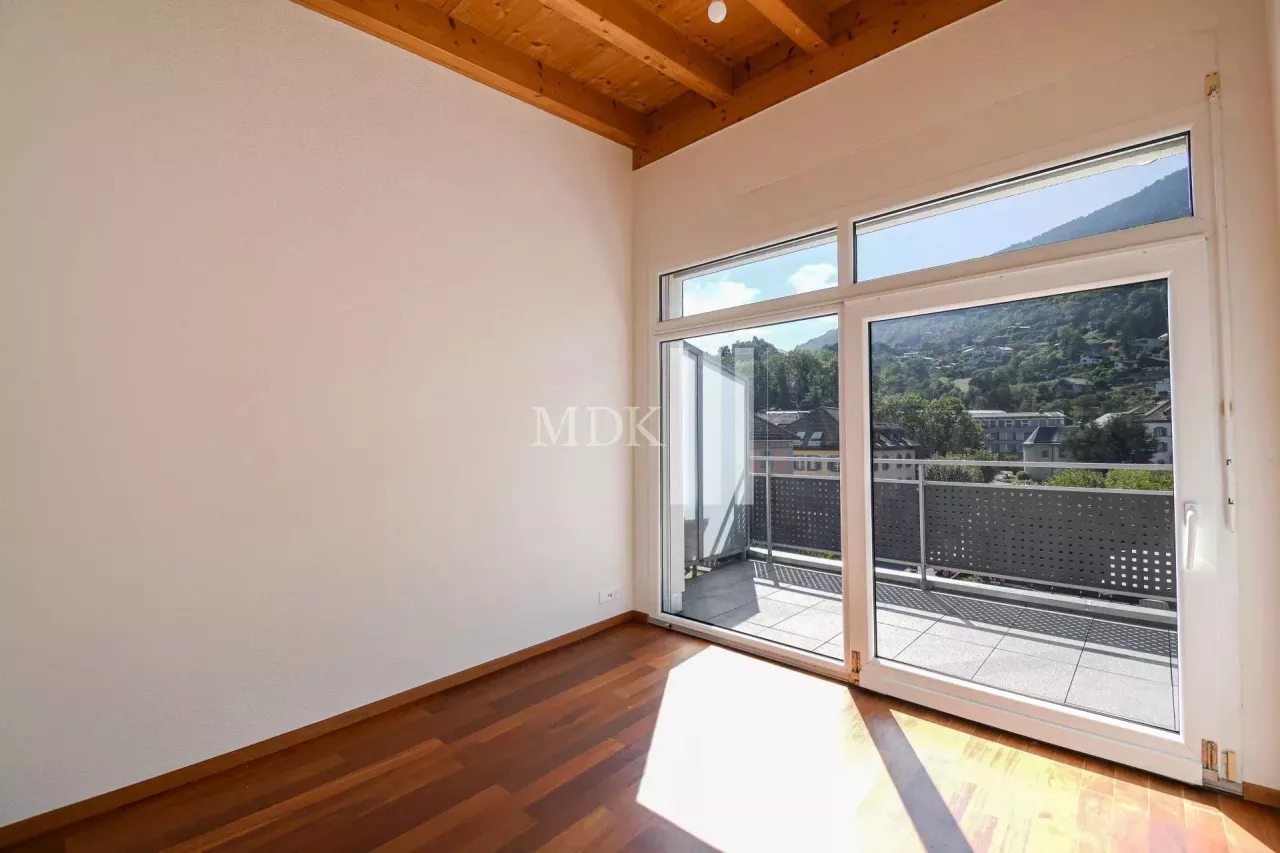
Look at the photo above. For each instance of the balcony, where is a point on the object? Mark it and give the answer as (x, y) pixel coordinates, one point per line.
(1060, 594)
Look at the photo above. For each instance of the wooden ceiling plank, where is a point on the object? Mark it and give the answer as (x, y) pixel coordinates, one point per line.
(433, 35)
(687, 119)
(802, 21)
(647, 37)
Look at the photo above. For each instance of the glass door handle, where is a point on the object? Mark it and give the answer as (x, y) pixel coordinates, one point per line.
(1190, 522)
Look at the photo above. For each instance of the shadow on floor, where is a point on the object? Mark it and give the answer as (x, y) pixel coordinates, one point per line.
(929, 813)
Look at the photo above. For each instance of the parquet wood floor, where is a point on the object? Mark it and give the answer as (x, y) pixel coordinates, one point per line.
(642, 739)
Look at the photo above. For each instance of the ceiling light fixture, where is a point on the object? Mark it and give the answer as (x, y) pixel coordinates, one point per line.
(717, 10)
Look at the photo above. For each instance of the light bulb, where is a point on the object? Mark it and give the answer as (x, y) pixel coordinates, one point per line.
(717, 10)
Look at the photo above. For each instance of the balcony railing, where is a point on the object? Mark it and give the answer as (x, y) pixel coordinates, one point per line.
(1119, 542)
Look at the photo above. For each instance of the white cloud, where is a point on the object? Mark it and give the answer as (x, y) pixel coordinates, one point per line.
(813, 277)
(714, 295)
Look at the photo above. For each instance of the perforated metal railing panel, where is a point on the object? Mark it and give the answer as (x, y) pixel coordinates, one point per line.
(895, 518)
(1117, 542)
(758, 529)
(1102, 540)
(806, 512)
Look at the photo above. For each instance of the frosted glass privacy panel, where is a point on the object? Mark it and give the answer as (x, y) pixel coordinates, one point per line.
(751, 483)
(1123, 189)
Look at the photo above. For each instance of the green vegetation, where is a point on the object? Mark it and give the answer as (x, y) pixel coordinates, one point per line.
(937, 426)
(1154, 480)
(964, 473)
(1085, 354)
(1085, 478)
(1016, 356)
(795, 379)
(1079, 478)
(1122, 438)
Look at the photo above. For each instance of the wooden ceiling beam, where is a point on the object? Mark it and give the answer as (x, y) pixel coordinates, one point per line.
(802, 21)
(433, 35)
(863, 31)
(644, 35)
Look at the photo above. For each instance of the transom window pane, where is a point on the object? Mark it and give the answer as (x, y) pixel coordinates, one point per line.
(797, 266)
(1124, 189)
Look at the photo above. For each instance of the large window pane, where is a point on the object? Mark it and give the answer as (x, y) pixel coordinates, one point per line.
(1125, 189)
(1023, 521)
(752, 481)
(797, 266)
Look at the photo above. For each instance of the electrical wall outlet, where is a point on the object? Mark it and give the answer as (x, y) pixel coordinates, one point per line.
(610, 595)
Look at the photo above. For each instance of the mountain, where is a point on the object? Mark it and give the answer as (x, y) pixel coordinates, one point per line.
(1167, 198)
(829, 338)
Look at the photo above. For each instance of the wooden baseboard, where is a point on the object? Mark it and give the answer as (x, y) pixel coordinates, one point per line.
(94, 806)
(1262, 795)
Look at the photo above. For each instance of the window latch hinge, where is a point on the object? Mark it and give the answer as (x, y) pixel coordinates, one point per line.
(1212, 85)
(1219, 770)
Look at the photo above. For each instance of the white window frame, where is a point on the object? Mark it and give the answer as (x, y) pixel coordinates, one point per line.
(1193, 119)
(1205, 596)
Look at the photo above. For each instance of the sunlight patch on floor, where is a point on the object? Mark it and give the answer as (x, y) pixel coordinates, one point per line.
(752, 756)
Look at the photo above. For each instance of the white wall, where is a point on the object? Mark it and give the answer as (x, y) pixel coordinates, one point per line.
(276, 300)
(1021, 83)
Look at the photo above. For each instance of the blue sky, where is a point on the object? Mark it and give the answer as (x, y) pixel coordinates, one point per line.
(971, 232)
(987, 228)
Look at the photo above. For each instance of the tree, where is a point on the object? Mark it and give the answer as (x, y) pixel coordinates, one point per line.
(936, 426)
(1071, 340)
(796, 379)
(989, 389)
(1122, 438)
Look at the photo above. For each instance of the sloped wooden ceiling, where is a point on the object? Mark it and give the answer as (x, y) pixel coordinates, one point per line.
(654, 75)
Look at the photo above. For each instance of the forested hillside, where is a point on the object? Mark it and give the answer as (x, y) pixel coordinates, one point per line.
(1019, 356)
(1167, 198)
(1084, 354)
(1027, 355)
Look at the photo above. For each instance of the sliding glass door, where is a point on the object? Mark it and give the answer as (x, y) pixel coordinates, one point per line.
(988, 474)
(1037, 507)
(1024, 531)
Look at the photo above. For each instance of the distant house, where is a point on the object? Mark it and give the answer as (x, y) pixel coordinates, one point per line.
(813, 443)
(1070, 386)
(889, 443)
(1089, 358)
(784, 417)
(998, 354)
(1152, 343)
(1045, 444)
(1158, 421)
(768, 439)
(1007, 430)
(816, 443)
